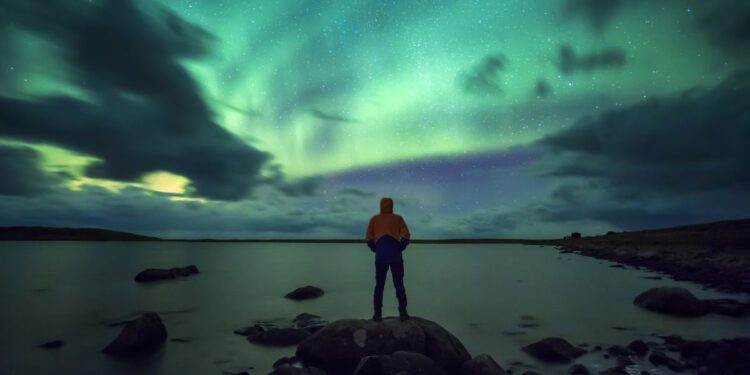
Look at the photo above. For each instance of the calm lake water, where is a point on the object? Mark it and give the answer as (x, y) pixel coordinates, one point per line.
(483, 294)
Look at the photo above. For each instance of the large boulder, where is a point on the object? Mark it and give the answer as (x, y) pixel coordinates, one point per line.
(482, 364)
(554, 349)
(399, 362)
(342, 344)
(305, 292)
(154, 274)
(672, 301)
(441, 345)
(139, 336)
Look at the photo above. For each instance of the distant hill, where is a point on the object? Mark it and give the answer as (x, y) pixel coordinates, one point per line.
(728, 234)
(68, 234)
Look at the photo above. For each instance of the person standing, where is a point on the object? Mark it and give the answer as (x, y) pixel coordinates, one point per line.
(387, 236)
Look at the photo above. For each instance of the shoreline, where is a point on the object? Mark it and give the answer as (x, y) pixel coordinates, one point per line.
(715, 254)
(727, 271)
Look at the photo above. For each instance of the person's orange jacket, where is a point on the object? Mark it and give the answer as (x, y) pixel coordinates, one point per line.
(387, 234)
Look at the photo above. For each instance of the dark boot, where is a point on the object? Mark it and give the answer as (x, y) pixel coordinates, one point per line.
(402, 314)
(378, 316)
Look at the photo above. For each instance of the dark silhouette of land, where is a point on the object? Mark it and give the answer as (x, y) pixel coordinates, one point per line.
(717, 236)
(68, 234)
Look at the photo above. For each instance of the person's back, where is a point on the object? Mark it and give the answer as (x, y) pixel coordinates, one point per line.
(388, 233)
(387, 236)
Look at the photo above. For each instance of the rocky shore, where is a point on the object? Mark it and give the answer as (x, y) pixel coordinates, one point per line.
(716, 255)
(422, 346)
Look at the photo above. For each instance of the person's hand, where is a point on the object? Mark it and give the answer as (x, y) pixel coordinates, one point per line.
(404, 242)
(371, 245)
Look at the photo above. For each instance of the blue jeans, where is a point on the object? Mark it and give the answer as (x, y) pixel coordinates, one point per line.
(397, 274)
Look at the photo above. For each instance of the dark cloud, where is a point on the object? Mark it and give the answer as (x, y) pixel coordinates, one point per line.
(727, 25)
(141, 211)
(330, 116)
(305, 186)
(597, 12)
(484, 77)
(356, 192)
(487, 221)
(569, 62)
(146, 113)
(20, 173)
(671, 160)
(542, 89)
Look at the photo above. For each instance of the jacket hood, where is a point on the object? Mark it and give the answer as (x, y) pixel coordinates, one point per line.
(386, 206)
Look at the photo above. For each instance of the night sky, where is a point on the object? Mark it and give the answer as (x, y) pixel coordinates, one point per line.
(290, 119)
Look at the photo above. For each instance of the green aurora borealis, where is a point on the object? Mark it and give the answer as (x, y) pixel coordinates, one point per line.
(445, 106)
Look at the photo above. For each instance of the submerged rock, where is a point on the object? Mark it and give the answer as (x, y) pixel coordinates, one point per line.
(289, 370)
(54, 344)
(154, 274)
(482, 364)
(578, 369)
(726, 357)
(727, 306)
(236, 372)
(659, 358)
(638, 347)
(344, 343)
(141, 335)
(310, 322)
(400, 362)
(273, 336)
(619, 351)
(616, 370)
(282, 332)
(672, 301)
(554, 349)
(680, 302)
(305, 292)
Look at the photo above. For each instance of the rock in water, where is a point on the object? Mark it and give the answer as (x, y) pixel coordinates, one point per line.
(154, 274)
(305, 292)
(54, 344)
(342, 344)
(672, 301)
(310, 322)
(482, 364)
(289, 370)
(273, 336)
(638, 347)
(279, 336)
(727, 306)
(578, 369)
(399, 362)
(554, 349)
(658, 358)
(141, 335)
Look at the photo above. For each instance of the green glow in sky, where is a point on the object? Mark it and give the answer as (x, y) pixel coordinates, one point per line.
(451, 107)
(390, 74)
